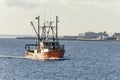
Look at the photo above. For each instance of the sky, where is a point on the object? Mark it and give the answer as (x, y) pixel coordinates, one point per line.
(75, 16)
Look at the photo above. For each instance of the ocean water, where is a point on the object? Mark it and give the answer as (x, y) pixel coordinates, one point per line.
(83, 60)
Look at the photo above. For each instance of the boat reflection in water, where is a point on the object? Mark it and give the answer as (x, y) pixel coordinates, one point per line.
(47, 46)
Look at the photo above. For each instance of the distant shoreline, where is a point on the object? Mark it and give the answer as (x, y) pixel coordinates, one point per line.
(67, 39)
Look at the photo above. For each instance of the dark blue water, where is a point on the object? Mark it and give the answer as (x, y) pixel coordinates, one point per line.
(83, 60)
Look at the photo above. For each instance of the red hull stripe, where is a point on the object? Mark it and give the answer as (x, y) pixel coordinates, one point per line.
(54, 53)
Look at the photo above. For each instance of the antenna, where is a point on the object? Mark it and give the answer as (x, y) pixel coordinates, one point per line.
(44, 26)
(50, 12)
(44, 13)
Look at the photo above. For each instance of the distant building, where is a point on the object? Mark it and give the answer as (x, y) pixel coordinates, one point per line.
(117, 36)
(102, 35)
(93, 36)
(81, 36)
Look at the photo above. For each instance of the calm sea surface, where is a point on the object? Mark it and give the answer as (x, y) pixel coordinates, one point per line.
(83, 60)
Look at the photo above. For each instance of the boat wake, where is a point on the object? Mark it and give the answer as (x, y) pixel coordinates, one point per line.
(20, 57)
(12, 57)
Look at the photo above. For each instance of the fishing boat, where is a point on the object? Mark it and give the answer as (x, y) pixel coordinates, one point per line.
(47, 46)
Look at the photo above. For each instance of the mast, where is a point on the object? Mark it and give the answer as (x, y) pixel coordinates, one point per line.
(57, 27)
(38, 18)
